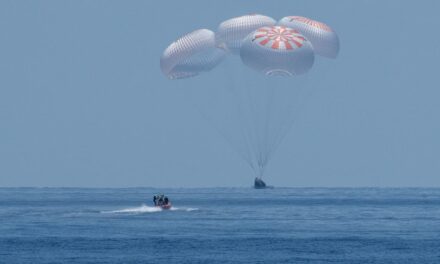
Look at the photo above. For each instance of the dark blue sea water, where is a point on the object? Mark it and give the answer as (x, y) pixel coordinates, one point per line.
(220, 225)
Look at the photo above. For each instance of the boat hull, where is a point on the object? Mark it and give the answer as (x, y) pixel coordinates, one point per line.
(164, 207)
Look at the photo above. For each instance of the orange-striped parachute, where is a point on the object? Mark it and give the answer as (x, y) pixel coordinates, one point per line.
(252, 111)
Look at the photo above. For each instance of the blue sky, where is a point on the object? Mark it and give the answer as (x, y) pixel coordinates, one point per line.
(83, 101)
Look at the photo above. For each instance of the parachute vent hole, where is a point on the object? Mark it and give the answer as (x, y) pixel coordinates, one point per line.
(279, 72)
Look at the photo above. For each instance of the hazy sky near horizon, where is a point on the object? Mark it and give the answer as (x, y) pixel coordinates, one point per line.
(83, 101)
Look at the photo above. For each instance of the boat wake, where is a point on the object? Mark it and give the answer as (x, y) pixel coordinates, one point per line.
(147, 209)
(186, 209)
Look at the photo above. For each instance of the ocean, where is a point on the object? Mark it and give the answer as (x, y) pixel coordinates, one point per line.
(220, 225)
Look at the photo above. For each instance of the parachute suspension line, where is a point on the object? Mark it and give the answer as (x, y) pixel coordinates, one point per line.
(255, 128)
(224, 135)
(283, 115)
(294, 108)
(262, 118)
(242, 101)
(267, 127)
(249, 122)
(306, 92)
(239, 102)
(285, 126)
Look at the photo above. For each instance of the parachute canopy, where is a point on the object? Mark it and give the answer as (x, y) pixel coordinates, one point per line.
(254, 112)
(191, 54)
(286, 49)
(277, 50)
(231, 33)
(324, 39)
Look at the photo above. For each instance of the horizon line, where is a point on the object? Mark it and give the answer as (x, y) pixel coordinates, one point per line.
(219, 187)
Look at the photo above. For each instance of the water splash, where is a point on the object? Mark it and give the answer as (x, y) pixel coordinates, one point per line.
(148, 209)
(135, 210)
(186, 209)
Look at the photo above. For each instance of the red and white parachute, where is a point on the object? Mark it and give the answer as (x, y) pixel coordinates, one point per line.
(257, 110)
(274, 50)
(324, 39)
(277, 50)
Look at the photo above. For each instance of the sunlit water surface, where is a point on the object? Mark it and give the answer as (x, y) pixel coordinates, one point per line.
(220, 225)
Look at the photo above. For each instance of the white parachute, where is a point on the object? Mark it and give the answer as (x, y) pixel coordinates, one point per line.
(252, 111)
(231, 33)
(191, 54)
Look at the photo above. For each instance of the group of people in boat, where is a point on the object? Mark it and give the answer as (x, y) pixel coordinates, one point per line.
(161, 200)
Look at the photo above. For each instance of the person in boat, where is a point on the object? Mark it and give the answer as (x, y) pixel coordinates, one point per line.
(160, 200)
